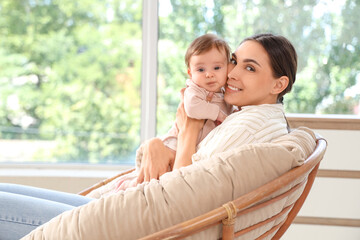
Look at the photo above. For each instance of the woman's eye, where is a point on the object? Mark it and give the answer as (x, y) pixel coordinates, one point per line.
(233, 61)
(250, 68)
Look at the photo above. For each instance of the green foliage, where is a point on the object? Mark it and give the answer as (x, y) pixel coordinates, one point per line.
(73, 73)
(70, 70)
(325, 34)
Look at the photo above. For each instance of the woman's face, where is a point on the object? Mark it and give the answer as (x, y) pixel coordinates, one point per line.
(251, 80)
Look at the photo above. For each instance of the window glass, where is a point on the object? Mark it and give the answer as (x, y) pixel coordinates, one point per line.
(69, 80)
(325, 34)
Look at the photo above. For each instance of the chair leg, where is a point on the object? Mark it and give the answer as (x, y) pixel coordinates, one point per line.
(228, 230)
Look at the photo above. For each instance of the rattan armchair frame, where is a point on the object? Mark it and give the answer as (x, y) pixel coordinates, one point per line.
(252, 201)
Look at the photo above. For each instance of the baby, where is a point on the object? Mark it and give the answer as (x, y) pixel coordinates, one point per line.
(207, 59)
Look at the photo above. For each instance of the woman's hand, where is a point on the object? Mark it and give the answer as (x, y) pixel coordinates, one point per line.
(188, 131)
(157, 159)
(183, 121)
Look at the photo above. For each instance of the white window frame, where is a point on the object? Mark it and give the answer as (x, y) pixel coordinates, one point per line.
(33, 174)
(150, 35)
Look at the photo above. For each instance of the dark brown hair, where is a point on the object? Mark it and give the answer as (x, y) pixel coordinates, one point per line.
(205, 43)
(282, 55)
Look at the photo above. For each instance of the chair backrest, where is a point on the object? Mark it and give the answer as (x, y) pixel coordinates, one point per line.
(298, 178)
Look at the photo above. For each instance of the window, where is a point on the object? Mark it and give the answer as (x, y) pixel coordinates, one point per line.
(70, 79)
(325, 34)
(70, 71)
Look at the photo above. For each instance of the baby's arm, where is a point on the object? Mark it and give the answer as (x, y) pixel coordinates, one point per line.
(196, 105)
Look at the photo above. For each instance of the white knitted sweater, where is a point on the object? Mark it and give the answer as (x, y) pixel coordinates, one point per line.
(253, 124)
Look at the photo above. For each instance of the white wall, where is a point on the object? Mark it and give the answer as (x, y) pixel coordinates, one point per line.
(333, 197)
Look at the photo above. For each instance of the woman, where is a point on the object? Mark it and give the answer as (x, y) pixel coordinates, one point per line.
(262, 70)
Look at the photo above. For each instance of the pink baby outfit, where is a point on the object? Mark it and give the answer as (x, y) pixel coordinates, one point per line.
(196, 106)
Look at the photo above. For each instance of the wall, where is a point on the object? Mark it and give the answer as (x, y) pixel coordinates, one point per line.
(333, 197)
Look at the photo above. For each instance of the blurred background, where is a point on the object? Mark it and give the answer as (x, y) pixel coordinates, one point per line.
(70, 71)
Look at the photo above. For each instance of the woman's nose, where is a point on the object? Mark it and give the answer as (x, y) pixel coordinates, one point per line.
(231, 73)
(230, 67)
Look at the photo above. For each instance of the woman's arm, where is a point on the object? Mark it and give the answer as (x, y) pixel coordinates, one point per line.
(189, 129)
(158, 159)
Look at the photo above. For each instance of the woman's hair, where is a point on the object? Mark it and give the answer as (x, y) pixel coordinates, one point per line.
(205, 43)
(283, 57)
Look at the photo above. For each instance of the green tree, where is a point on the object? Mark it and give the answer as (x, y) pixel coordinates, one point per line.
(186, 21)
(72, 70)
(324, 33)
(341, 69)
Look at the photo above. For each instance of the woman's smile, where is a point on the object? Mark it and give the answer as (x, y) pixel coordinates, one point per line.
(232, 88)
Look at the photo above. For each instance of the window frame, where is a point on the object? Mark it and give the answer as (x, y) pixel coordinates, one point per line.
(150, 32)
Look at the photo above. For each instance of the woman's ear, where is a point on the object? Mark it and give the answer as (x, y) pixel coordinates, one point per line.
(189, 72)
(280, 84)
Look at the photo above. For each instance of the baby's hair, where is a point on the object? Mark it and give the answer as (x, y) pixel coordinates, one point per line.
(205, 43)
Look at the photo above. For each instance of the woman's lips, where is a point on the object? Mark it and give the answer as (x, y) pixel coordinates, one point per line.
(233, 89)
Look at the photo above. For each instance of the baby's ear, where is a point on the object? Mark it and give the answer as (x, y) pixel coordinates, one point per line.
(280, 84)
(189, 72)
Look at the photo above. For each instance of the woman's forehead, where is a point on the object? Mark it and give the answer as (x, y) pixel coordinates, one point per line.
(252, 50)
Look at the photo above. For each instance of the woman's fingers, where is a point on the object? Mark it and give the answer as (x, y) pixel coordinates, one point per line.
(182, 94)
(209, 96)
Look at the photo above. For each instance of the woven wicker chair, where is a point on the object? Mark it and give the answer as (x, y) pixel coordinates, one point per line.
(252, 201)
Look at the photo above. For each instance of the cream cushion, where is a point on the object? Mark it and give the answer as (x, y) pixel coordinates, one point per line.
(186, 193)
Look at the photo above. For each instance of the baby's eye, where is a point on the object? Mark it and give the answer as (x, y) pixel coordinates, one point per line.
(201, 70)
(250, 68)
(233, 61)
(217, 68)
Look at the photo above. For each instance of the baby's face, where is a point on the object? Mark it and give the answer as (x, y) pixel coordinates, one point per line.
(209, 70)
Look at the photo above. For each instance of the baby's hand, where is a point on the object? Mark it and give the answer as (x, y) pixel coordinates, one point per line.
(126, 181)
